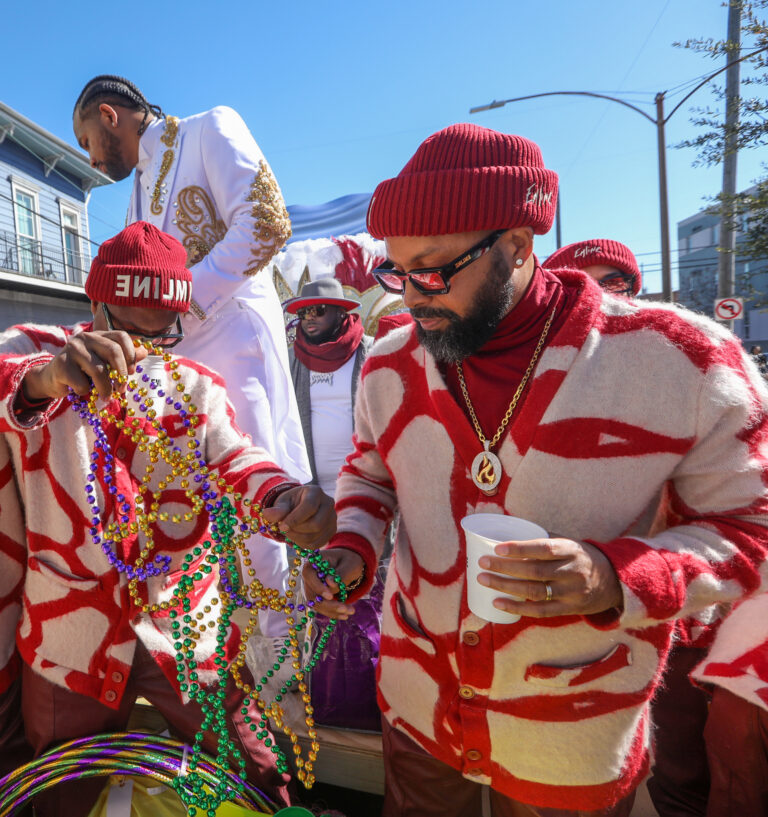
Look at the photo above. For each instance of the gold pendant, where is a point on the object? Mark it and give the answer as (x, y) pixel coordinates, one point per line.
(486, 470)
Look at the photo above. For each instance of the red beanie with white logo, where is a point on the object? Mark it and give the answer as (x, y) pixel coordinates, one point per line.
(584, 254)
(463, 179)
(141, 266)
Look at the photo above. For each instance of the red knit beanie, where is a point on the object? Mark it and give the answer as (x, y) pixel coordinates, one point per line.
(466, 178)
(584, 254)
(141, 266)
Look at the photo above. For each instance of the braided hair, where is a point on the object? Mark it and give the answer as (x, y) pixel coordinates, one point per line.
(114, 90)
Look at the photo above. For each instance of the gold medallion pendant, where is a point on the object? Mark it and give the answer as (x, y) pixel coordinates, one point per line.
(486, 470)
(486, 466)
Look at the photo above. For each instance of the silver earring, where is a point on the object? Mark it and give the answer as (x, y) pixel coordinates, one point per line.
(519, 262)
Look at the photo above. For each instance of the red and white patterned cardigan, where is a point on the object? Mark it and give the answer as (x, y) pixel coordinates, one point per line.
(69, 611)
(738, 659)
(627, 399)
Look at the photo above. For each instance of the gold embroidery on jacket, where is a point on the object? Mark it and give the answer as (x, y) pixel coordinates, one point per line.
(273, 225)
(197, 219)
(197, 310)
(170, 129)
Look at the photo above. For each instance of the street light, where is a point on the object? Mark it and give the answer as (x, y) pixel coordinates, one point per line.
(660, 122)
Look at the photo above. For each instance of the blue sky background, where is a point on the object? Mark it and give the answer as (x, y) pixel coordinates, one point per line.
(340, 94)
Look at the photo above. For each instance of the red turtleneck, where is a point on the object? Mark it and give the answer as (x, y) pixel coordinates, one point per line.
(493, 373)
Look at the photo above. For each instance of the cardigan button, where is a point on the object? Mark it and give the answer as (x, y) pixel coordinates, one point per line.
(471, 638)
(473, 754)
(110, 696)
(474, 772)
(117, 677)
(467, 692)
(120, 453)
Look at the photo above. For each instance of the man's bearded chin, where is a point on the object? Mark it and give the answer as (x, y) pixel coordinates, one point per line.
(323, 337)
(464, 336)
(114, 164)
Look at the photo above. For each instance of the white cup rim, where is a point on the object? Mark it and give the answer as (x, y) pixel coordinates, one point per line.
(475, 523)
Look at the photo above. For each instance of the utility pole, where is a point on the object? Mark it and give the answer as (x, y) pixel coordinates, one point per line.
(666, 264)
(726, 268)
(660, 122)
(558, 227)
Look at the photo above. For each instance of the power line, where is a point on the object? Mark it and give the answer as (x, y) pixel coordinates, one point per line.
(77, 187)
(602, 116)
(66, 179)
(46, 218)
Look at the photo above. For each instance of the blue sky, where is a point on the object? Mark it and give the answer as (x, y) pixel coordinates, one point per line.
(339, 95)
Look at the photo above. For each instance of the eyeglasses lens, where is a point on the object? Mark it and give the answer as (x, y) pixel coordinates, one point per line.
(618, 284)
(316, 311)
(428, 280)
(396, 283)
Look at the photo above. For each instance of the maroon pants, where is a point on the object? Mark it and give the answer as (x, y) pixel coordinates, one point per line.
(53, 715)
(679, 782)
(418, 785)
(14, 749)
(737, 747)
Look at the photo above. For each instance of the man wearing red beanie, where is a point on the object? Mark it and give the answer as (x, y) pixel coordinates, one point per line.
(612, 264)
(85, 650)
(510, 395)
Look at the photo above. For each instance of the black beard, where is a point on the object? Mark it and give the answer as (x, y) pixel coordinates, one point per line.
(114, 165)
(464, 336)
(322, 337)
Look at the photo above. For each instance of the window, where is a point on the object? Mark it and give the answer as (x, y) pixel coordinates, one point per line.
(27, 230)
(70, 237)
(694, 280)
(743, 223)
(700, 238)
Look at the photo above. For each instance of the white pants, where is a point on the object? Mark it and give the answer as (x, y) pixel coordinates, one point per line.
(245, 343)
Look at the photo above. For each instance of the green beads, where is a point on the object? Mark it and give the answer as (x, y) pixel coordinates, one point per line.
(199, 798)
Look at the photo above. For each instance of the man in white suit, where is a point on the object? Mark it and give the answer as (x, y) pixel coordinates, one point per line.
(205, 181)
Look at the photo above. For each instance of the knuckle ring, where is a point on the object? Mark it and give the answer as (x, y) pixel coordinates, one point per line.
(548, 588)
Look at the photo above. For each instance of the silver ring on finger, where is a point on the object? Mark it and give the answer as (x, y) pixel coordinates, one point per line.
(548, 588)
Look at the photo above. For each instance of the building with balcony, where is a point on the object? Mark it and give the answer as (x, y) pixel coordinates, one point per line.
(697, 239)
(45, 246)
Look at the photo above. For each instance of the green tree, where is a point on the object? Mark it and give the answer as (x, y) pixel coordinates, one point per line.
(748, 210)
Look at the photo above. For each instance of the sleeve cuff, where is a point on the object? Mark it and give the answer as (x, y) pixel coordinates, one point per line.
(268, 499)
(651, 593)
(360, 545)
(27, 414)
(23, 405)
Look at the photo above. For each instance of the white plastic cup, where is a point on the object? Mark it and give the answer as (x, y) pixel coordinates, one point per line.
(483, 532)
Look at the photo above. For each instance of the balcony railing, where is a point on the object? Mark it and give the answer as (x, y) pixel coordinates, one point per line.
(26, 256)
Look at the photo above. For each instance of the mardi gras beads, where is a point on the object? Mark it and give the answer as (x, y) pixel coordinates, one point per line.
(228, 535)
(160, 759)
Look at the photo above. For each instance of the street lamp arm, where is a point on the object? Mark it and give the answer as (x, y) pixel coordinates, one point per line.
(712, 76)
(501, 103)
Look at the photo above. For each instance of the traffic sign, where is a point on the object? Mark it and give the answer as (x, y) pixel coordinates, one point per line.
(729, 309)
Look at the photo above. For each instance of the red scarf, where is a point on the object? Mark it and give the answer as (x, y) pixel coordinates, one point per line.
(332, 355)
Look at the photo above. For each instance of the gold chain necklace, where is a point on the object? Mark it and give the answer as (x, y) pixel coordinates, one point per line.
(486, 466)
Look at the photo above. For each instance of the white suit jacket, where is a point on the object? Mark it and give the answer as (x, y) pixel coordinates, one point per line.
(205, 181)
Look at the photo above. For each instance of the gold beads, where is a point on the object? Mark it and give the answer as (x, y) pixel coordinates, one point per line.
(204, 614)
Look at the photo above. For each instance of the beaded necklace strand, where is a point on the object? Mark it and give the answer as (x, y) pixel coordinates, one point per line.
(155, 757)
(228, 536)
